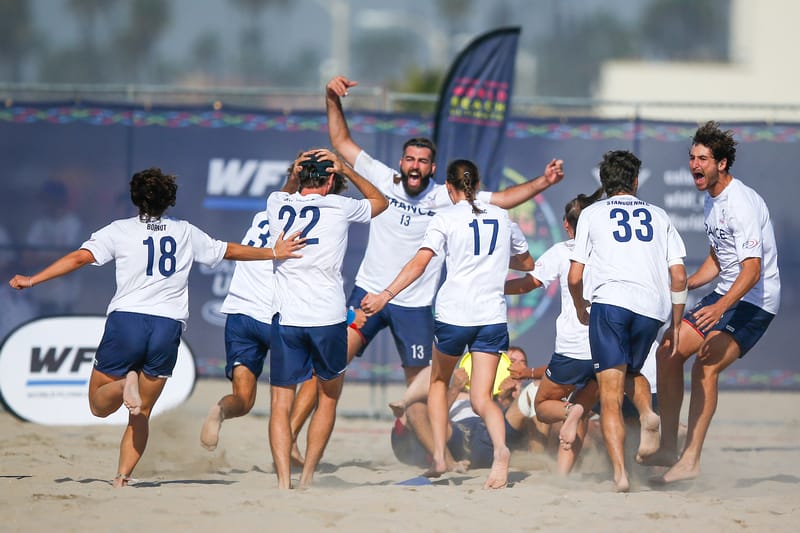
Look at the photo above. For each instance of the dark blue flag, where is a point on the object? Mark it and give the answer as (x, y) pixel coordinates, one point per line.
(474, 104)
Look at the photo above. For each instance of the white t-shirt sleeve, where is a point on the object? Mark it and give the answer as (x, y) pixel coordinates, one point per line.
(101, 245)
(675, 246)
(582, 249)
(746, 231)
(519, 243)
(358, 210)
(435, 236)
(547, 268)
(207, 251)
(376, 172)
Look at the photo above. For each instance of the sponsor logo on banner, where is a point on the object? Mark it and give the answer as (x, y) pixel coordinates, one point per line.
(45, 367)
(242, 185)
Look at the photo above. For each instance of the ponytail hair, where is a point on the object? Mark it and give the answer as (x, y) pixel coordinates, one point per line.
(463, 175)
(574, 207)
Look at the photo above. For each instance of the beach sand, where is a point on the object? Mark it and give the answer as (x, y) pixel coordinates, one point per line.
(57, 478)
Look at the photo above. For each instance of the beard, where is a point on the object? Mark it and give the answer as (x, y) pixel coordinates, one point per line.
(415, 183)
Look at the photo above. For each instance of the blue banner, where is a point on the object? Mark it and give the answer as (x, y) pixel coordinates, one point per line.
(474, 105)
(66, 170)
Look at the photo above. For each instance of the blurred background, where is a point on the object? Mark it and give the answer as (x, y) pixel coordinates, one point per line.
(223, 93)
(722, 53)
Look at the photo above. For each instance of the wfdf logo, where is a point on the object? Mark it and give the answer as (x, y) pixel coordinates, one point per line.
(51, 360)
(236, 185)
(45, 366)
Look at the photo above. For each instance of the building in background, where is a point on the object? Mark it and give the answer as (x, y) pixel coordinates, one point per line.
(762, 70)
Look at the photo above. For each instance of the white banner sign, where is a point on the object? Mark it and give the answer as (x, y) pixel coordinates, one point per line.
(45, 367)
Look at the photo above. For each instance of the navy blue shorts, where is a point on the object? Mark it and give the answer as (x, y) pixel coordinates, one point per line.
(564, 370)
(297, 351)
(455, 340)
(745, 322)
(135, 341)
(247, 343)
(411, 327)
(618, 336)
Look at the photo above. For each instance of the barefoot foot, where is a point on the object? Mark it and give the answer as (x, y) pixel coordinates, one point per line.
(130, 393)
(209, 435)
(498, 475)
(296, 458)
(460, 467)
(648, 438)
(680, 471)
(621, 484)
(438, 467)
(661, 457)
(121, 480)
(569, 429)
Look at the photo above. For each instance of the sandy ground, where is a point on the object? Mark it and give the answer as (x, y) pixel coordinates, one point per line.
(57, 478)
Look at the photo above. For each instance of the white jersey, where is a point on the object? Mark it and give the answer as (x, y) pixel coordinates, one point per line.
(153, 261)
(738, 226)
(251, 289)
(628, 244)
(476, 249)
(572, 337)
(309, 291)
(395, 234)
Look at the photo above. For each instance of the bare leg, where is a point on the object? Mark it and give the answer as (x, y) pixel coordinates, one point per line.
(417, 391)
(441, 371)
(305, 406)
(321, 426)
(549, 401)
(670, 392)
(566, 458)
(134, 438)
(280, 433)
(105, 393)
(419, 422)
(612, 387)
(411, 372)
(304, 403)
(484, 368)
(641, 395)
(717, 353)
(239, 403)
(569, 429)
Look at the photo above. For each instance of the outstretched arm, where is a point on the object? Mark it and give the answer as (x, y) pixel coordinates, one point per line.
(521, 285)
(284, 249)
(375, 197)
(522, 262)
(373, 303)
(338, 131)
(517, 194)
(64, 265)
